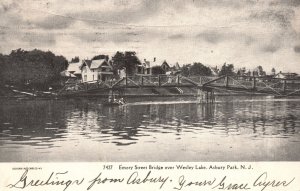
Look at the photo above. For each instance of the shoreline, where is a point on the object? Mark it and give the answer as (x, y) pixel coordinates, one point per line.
(161, 92)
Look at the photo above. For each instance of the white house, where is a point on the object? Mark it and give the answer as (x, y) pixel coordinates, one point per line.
(95, 70)
(146, 69)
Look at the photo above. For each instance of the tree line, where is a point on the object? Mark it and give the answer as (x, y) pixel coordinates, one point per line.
(35, 68)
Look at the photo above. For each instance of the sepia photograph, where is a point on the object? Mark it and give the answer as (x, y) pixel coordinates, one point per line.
(149, 81)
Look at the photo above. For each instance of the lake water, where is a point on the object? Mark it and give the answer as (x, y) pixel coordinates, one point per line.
(232, 129)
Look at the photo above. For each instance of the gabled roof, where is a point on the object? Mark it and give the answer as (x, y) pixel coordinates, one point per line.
(85, 62)
(67, 74)
(94, 64)
(177, 67)
(286, 75)
(97, 63)
(165, 63)
(74, 68)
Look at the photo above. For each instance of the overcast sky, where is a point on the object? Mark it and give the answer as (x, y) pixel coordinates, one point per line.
(242, 32)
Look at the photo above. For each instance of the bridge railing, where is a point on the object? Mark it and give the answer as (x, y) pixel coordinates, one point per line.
(148, 80)
(159, 80)
(260, 84)
(265, 84)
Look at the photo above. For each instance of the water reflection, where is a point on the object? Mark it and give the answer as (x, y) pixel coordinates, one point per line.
(55, 125)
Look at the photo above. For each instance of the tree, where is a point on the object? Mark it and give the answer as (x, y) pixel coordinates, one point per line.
(185, 70)
(241, 71)
(227, 70)
(273, 71)
(75, 59)
(2, 62)
(34, 67)
(156, 70)
(127, 60)
(261, 71)
(200, 69)
(101, 56)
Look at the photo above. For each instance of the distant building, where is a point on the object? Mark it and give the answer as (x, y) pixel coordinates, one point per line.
(145, 68)
(215, 70)
(140, 69)
(121, 73)
(288, 75)
(174, 70)
(94, 70)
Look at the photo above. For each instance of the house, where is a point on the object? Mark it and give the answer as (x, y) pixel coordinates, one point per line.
(67, 77)
(74, 69)
(147, 70)
(165, 66)
(174, 70)
(215, 70)
(96, 70)
(121, 73)
(288, 75)
(177, 67)
(144, 68)
(140, 69)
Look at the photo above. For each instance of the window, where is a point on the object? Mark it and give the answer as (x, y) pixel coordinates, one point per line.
(84, 69)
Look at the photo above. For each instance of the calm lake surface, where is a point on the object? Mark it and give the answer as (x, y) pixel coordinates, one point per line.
(233, 129)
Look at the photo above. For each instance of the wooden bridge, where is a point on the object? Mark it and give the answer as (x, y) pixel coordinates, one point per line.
(264, 85)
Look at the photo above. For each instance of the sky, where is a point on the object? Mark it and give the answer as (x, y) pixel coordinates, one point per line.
(246, 33)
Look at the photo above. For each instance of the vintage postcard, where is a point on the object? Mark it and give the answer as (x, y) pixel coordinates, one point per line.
(150, 94)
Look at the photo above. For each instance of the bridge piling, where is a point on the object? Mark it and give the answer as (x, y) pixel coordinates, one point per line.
(254, 83)
(142, 80)
(205, 96)
(284, 86)
(126, 81)
(226, 81)
(159, 80)
(178, 80)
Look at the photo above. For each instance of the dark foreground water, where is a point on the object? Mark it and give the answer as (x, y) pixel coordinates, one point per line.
(232, 129)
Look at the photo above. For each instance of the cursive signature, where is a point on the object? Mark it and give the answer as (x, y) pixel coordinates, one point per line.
(264, 182)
